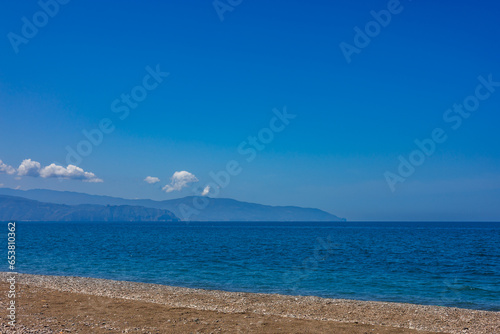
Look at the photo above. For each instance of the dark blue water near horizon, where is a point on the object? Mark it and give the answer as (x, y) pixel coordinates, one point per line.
(448, 264)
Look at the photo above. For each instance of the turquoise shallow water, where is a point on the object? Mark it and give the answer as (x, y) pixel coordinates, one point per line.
(449, 264)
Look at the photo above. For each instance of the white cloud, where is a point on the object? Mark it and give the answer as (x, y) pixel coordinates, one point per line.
(29, 168)
(71, 172)
(206, 191)
(6, 168)
(33, 168)
(2, 185)
(152, 179)
(180, 180)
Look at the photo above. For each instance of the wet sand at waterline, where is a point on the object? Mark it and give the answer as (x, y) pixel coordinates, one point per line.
(53, 304)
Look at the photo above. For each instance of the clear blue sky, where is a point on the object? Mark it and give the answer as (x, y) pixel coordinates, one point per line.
(353, 120)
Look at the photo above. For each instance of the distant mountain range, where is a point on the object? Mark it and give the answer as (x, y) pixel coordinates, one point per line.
(190, 208)
(18, 208)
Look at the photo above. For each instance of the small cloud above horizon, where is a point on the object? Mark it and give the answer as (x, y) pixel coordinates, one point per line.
(179, 181)
(6, 168)
(151, 179)
(206, 191)
(71, 172)
(29, 168)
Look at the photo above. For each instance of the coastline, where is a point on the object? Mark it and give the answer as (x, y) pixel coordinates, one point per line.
(274, 310)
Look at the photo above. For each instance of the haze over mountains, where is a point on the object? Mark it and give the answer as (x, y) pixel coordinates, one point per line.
(18, 208)
(188, 208)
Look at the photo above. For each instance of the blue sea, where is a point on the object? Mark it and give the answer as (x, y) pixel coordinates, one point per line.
(448, 264)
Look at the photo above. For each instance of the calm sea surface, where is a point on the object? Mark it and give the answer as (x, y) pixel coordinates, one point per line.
(449, 264)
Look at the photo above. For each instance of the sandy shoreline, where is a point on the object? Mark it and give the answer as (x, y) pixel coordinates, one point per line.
(217, 311)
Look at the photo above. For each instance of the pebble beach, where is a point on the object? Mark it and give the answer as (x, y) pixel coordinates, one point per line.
(57, 304)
